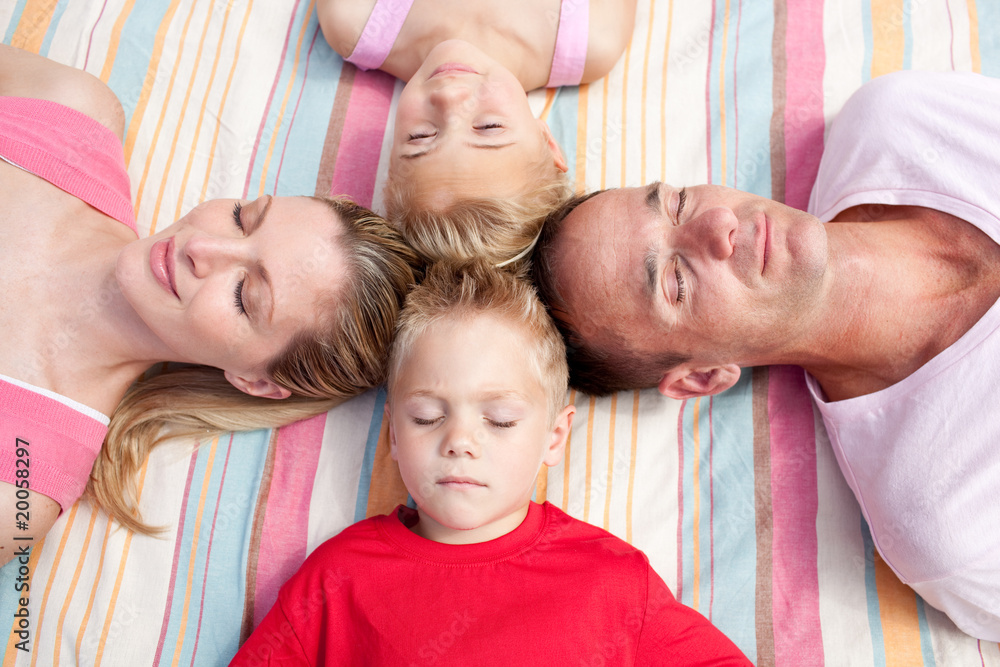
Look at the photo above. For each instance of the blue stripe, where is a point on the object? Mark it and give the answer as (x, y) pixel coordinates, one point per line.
(15, 19)
(907, 35)
(926, 646)
(57, 13)
(871, 593)
(368, 464)
(988, 18)
(562, 120)
(869, 45)
(135, 52)
(751, 164)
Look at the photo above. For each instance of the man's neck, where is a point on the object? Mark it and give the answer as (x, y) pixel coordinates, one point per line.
(907, 282)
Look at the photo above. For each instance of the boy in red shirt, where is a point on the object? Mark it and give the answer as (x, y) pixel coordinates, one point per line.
(478, 574)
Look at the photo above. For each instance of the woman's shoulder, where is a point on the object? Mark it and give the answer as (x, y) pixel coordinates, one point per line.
(25, 74)
(611, 25)
(343, 22)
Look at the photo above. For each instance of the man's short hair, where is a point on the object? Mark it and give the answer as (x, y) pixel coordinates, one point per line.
(595, 370)
(467, 290)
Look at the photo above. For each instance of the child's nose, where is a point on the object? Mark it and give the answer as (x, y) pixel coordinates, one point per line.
(451, 98)
(460, 440)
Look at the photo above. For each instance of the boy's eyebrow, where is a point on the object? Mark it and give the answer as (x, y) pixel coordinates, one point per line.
(494, 395)
(491, 147)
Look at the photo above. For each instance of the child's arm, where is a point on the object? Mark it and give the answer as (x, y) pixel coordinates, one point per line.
(611, 25)
(274, 643)
(678, 635)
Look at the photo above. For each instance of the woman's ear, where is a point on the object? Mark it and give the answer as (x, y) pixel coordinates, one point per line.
(686, 381)
(557, 154)
(261, 387)
(559, 435)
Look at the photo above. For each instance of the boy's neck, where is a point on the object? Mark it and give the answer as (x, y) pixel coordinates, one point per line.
(430, 529)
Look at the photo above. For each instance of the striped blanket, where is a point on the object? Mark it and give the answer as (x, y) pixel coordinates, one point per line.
(736, 499)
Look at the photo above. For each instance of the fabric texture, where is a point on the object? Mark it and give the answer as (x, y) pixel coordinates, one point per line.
(79, 155)
(921, 455)
(380, 33)
(570, 55)
(380, 594)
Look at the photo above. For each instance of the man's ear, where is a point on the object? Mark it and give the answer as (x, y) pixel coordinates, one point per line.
(262, 387)
(686, 381)
(559, 435)
(387, 418)
(553, 145)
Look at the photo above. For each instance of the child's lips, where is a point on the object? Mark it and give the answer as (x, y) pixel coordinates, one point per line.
(452, 68)
(457, 482)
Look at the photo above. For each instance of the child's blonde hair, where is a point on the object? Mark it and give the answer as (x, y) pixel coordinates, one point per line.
(472, 289)
(497, 230)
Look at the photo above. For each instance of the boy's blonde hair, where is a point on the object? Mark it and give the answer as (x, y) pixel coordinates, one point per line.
(498, 230)
(472, 289)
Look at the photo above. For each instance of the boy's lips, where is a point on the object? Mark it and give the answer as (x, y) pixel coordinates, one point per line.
(460, 482)
(161, 263)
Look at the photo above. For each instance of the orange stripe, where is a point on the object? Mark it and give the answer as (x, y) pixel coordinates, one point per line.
(897, 605)
(604, 136)
(386, 488)
(623, 179)
(185, 105)
(10, 655)
(93, 588)
(583, 93)
(542, 484)
(106, 629)
(887, 36)
(663, 92)
(147, 84)
(696, 512)
(566, 458)
(645, 82)
(116, 36)
(222, 104)
(550, 96)
(34, 23)
(52, 574)
(722, 95)
(590, 452)
(611, 461)
(72, 589)
(284, 100)
(194, 548)
(977, 65)
(163, 112)
(631, 467)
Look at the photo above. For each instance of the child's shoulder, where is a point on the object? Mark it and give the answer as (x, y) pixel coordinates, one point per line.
(343, 21)
(586, 539)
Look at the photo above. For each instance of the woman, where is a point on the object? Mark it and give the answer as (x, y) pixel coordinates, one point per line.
(282, 306)
(472, 172)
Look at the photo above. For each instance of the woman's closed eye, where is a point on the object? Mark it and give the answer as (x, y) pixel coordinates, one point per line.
(237, 215)
(239, 297)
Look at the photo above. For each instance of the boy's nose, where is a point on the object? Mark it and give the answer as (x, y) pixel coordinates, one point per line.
(460, 440)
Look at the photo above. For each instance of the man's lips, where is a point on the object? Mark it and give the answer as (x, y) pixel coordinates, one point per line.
(161, 263)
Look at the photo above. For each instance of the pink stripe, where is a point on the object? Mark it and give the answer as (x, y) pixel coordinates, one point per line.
(806, 60)
(286, 522)
(208, 552)
(177, 553)
(361, 141)
(680, 501)
(736, 97)
(708, 101)
(93, 29)
(270, 99)
(295, 111)
(795, 578)
(711, 510)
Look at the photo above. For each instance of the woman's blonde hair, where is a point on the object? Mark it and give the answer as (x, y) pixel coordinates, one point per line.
(340, 357)
(497, 230)
(474, 289)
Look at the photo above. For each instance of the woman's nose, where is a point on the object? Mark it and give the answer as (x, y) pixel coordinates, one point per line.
(712, 233)
(208, 253)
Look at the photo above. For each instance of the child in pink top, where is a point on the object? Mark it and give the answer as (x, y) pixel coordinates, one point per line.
(472, 172)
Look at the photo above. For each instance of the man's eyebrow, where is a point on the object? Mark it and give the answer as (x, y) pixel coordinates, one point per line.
(653, 196)
(651, 262)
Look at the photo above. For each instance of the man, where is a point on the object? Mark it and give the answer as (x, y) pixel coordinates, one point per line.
(890, 311)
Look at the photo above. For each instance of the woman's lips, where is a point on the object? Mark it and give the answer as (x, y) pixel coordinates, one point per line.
(161, 263)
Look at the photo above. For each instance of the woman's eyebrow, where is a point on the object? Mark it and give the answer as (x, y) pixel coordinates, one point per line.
(258, 219)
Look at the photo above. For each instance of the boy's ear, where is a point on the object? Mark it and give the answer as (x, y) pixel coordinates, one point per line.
(387, 417)
(254, 386)
(687, 381)
(559, 435)
(553, 145)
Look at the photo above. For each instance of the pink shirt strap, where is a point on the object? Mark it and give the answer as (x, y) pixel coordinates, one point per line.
(380, 33)
(571, 44)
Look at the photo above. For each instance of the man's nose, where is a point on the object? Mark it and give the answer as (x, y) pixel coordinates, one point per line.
(712, 233)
